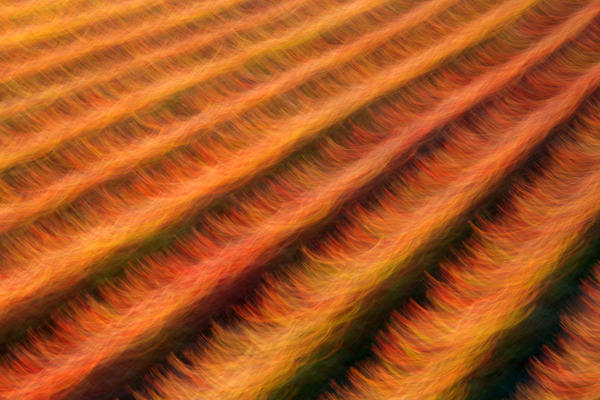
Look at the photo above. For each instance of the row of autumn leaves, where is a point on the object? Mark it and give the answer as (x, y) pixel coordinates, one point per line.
(459, 117)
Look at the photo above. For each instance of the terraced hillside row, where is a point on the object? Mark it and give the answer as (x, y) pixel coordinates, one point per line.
(299, 199)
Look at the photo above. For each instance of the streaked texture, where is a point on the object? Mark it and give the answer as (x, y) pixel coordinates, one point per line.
(299, 199)
(570, 368)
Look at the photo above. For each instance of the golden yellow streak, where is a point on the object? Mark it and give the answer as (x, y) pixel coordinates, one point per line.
(58, 26)
(169, 19)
